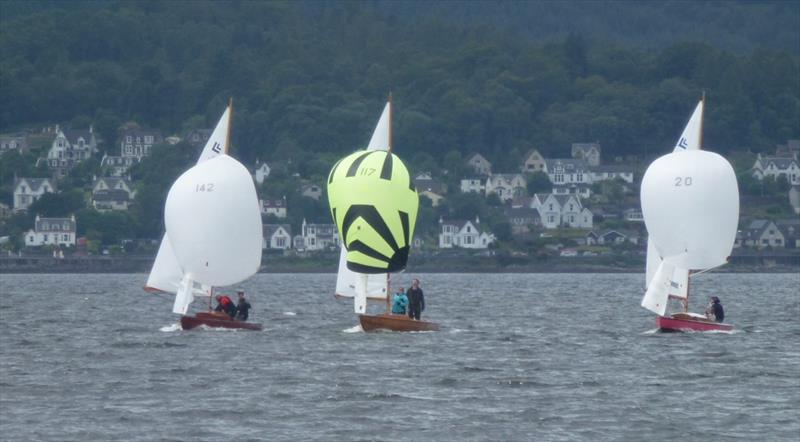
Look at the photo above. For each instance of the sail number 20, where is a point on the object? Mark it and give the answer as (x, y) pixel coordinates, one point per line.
(205, 187)
(683, 181)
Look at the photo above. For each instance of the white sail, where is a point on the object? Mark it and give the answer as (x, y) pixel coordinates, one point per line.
(692, 136)
(657, 294)
(678, 281)
(214, 223)
(346, 281)
(217, 143)
(690, 203)
(381, 136)
(166, 274)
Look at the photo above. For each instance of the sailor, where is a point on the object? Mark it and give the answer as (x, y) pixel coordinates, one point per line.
(399, 302)
(416, 300)
(225, 304)
(243, 309)
(715, 308)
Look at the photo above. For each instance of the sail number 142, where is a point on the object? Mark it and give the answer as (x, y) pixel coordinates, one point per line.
(683, 181)
(206, 187)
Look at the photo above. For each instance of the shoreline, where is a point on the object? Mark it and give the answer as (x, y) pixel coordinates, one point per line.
(436, 264)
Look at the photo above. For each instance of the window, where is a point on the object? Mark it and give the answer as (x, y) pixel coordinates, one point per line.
(280, 242)
(468, 240)
(128, 149)
(572, 218)
(129, 139)
(447, 240)
(765, 241)
(148, 139)
(66, 237)
(550, 219)
(551, 206)
(45, 237)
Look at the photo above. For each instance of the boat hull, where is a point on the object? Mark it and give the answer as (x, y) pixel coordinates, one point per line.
(682, 322)
(400, 323)
(216, 321)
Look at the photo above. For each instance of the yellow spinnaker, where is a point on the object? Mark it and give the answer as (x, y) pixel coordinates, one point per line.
(374, 205)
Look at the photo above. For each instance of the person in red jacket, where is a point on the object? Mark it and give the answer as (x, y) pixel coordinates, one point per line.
(224, 304)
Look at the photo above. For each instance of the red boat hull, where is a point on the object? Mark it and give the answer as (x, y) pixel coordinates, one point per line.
(216, 321)
(683, 322)
(401, 323)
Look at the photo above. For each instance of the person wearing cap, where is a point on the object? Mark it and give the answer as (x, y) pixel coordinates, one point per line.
(399, 302)
(715, 308)
(243, 311)
(225, 304)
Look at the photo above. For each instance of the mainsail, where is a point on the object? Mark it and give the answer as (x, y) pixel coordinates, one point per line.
(690, 203)
(374, 205)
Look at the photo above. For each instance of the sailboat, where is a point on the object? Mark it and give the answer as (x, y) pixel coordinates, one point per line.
(690, 203)
(374, 205)
(213, 232)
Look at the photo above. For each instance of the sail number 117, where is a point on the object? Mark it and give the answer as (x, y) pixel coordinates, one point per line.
(683, 181)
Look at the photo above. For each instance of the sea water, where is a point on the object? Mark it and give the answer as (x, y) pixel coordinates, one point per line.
(520, 357)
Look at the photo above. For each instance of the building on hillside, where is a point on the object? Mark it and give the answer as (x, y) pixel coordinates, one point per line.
(315, 237)
(562, 211)
(633, 214)
(430, 188)
(463, 234)
(533, 162)
(476, 185)
(776, 167)
(602, 173)
(52, 231)
(111, 193)
(70, 147)
(198, 137)
(522, 219)
(261, 172)
(14, 142)
(589, 152)
(581, 190)
(794, 199)
(762, 233)
(789, 150)
(276, 207)
(138, 143)
(5, 211)
(506, 185)
(567, 171)
(479, 164)
(277, 237)
(312, 191)
(28, 190)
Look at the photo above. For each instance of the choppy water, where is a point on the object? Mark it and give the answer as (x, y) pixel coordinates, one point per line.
(520, 357)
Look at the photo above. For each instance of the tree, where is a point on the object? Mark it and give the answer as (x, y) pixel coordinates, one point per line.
(539, 182)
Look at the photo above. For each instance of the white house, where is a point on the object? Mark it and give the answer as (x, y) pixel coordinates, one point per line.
(317, 237)
(262, 172)
(763, 233)
(277, 236)
(28, 190)
(16, 142)
(562, 211)
(135, 144)
(601, 173)
(69, 148)
(430, 188)
(464, 234)
(473, 185)
(481, 165)
(794, 199)
(111, 193)
(276, 207)
(55, 231)
(589, 152)
(633, 214)
(776, 167)
(312, 191)
(581, 190)
(567, 171)
(506, 185)
(533, 162)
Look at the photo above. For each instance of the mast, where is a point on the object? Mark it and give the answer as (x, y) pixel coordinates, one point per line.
(230, 119)
(389, 152)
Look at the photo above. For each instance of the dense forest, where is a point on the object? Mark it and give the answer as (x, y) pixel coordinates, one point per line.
(309, 78)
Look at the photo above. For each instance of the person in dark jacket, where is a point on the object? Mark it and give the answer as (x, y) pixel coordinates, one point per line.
(243, 309)
(715, 308)
(416, 300)
(225, 304)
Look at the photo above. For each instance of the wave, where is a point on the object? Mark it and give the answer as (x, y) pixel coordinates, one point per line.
(354, 329)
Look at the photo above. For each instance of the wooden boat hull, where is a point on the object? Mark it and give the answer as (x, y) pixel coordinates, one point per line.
(216, 321)
(401, 323)
(683, 322)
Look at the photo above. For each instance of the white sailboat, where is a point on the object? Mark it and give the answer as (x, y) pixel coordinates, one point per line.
(213, 228)
(690, 203)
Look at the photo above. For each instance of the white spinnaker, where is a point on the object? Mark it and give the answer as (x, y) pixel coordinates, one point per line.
(214, 223)
(690, 203)
(691, 138)
(167, 273)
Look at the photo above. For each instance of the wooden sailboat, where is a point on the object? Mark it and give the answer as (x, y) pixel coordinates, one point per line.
(374, 205)
(690, 203)
(213, 232)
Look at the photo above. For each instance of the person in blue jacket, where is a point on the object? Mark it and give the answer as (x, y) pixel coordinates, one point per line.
(399, 302)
